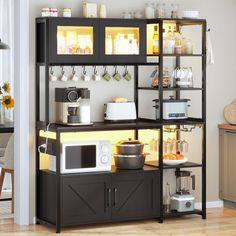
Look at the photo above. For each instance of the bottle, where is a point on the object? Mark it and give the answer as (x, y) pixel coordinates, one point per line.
(103, 11)
(167, 199)
(155, 49)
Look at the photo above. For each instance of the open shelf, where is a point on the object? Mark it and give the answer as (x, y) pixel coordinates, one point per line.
(182, 166)
(176, 213)
(176, 55)
(172, 89)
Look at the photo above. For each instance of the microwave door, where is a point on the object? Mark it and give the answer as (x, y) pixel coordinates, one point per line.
(80, 157)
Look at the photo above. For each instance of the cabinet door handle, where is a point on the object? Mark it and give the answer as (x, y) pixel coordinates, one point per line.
(108, 197)
(115, 196)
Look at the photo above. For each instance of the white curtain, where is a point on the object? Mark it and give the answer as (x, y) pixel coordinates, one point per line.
(6, 56)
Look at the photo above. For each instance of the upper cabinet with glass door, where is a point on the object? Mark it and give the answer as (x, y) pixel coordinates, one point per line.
(123, 40)
(67, 40)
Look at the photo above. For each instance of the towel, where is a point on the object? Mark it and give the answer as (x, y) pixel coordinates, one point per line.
(209, 52)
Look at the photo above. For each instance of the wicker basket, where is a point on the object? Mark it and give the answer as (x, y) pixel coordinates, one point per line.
(230, 113)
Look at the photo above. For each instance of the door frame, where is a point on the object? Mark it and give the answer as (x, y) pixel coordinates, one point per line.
(21, 111)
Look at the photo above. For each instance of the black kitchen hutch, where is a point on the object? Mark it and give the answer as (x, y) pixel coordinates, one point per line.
(69, 199)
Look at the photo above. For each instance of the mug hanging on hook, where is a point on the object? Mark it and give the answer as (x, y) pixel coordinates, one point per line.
(74, 77)
(96, 77)
(84, 76)
(63, 76)
(52, 77)
(106, 75)
(117, 75)
(127, 75)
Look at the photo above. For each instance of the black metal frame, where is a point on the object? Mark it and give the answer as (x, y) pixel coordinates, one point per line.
(44, 59)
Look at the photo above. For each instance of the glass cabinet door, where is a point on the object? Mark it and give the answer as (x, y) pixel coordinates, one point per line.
(73, 40)
(123, 40)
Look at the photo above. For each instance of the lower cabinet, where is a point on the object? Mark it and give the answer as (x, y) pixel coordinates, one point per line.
(227, 165)
(85, 199)
(96, 198)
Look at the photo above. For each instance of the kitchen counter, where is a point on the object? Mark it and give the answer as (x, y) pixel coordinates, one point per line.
(227, 127)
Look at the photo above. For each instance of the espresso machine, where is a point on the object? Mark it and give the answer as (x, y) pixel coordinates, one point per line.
(182, 200)
(72, 106)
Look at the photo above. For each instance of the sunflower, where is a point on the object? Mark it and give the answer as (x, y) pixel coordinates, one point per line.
(6, 87)
(7, 102)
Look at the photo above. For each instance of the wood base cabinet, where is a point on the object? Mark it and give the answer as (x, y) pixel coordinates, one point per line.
(105, 197)
(227, 164)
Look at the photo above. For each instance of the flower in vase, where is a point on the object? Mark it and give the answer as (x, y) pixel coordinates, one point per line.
(7, 102)
(6, 87)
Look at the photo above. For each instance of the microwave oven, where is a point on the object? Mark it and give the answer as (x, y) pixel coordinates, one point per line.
(83, 156)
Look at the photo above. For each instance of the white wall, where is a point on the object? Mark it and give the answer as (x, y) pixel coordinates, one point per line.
(221, 83)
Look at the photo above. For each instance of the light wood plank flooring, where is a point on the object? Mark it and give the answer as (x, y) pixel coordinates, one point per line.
(220, 222)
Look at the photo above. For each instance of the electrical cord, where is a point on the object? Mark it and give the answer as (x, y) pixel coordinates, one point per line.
(45, 145)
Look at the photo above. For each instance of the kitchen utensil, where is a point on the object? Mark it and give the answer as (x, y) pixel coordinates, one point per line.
(120, 111)
(117, 75)
(127, 75)
(129, 147)
(52, 77)
(72, 106)
(173, 108)
(130, 162)
(106, 75)
(182, 200)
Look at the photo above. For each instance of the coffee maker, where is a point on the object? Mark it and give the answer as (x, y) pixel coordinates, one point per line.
(72, 106)
(182, 200)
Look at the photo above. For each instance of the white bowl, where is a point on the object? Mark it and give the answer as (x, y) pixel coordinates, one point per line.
(175, 162)
(191, 14)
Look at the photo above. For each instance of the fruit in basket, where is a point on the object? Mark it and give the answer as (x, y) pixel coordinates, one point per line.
(173, 156)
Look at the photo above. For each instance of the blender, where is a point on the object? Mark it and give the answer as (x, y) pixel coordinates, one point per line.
(182, 200)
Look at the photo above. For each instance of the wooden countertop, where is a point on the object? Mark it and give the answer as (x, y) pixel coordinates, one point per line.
(227, 126)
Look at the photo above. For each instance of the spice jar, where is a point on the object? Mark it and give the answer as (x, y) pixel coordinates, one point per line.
(66, 12)
(53, 12)
(45, 12)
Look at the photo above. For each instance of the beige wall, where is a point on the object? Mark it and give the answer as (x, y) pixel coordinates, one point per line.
(220, 77)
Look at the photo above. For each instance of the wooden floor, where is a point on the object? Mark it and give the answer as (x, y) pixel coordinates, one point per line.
(220, 222)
